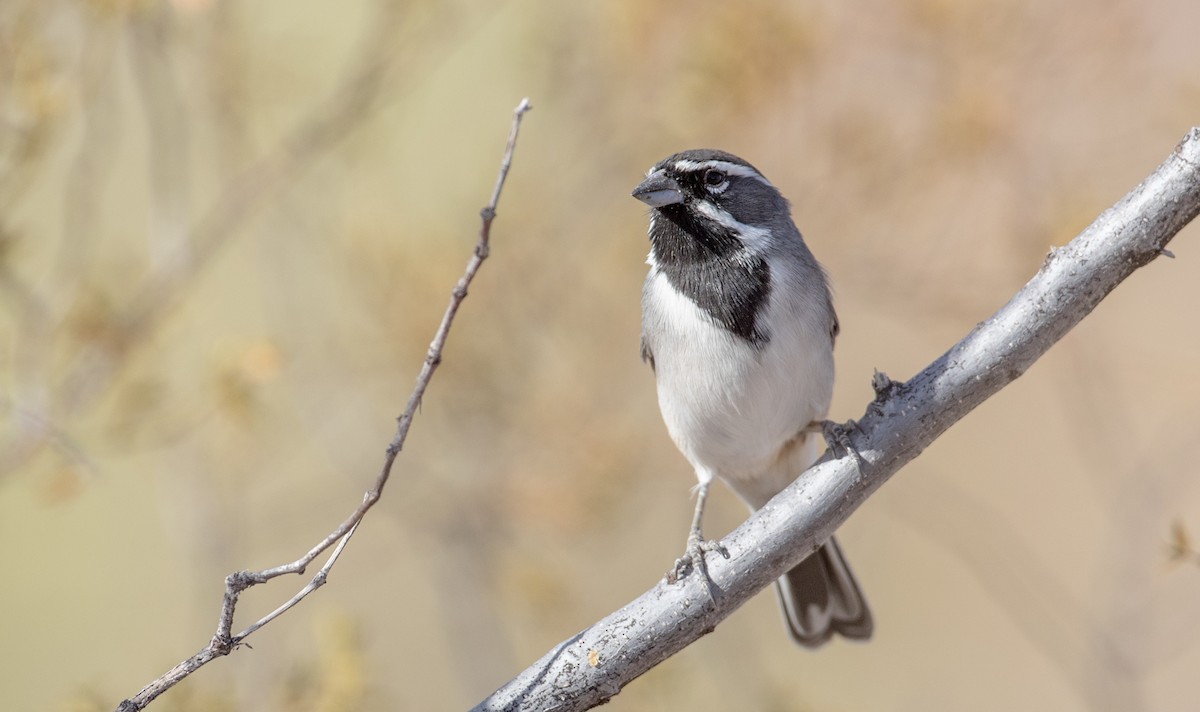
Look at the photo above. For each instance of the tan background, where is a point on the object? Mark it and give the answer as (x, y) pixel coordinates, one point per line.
(335, 155)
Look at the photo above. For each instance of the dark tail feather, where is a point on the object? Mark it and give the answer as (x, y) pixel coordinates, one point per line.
(820, 597)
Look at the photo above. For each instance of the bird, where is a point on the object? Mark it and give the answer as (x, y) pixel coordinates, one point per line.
(738, 325)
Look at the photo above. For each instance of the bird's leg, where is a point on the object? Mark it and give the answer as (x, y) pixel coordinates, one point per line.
(693, 553)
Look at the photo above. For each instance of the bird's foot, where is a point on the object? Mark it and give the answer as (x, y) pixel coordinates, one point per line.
(837, 438)
(693, 556)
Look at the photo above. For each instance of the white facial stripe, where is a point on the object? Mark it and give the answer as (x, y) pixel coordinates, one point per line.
(754, 238)
(650, 257)
(732, 169)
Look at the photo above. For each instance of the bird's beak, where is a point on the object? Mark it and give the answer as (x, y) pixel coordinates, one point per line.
(658, 189)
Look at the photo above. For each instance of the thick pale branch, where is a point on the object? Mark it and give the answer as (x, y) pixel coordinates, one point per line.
(595, 664)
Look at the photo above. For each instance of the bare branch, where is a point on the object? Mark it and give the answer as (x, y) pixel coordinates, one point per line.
(223, 641)
(595, 664)
(317, 582)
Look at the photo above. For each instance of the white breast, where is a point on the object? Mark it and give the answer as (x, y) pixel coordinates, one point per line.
(731, 407)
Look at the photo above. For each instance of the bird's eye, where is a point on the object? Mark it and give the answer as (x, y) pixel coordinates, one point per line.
(713, 177)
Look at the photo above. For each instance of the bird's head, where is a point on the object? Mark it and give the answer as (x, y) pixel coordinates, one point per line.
(715, 197)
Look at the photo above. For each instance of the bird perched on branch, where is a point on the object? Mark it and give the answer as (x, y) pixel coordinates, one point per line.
(738, 325)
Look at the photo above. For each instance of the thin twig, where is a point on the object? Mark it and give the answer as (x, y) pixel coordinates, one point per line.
(317, 582)
(223, 641)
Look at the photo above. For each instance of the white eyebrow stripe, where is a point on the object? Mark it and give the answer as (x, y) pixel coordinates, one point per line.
(733, 169)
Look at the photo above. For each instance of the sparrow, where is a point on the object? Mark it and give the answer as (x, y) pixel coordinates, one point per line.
(738, 326)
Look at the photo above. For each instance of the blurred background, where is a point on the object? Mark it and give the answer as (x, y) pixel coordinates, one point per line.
(228, 231)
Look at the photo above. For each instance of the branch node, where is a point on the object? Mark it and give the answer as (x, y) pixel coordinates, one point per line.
(1192, 135)
(239, 581)
(222, 644)
(883, 386)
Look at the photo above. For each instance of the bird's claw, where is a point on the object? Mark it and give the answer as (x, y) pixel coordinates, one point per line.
(693, 556)
(837, 438)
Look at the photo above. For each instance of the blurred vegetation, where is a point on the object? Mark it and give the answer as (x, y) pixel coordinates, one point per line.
(227, 231)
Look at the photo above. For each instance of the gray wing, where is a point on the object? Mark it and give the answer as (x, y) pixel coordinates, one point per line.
(647, 354)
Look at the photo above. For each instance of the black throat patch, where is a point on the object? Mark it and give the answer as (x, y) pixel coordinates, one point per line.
(701, 260)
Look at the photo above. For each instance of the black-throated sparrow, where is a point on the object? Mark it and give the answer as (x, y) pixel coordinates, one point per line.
(738, 325)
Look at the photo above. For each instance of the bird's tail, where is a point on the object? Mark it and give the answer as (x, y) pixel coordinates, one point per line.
(820, 597)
